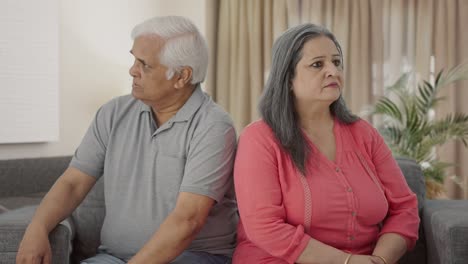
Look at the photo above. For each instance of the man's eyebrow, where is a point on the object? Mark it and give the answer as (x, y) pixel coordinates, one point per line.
(140, 60)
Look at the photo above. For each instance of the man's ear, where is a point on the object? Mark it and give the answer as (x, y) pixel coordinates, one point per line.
(183, 77)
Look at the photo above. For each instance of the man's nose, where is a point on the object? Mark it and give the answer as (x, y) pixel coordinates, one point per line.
(133, 71)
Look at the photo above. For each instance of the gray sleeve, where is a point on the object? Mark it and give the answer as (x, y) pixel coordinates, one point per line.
(208, 169)
(89, 156)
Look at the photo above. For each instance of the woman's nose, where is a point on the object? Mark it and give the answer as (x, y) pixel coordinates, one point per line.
(332, 69)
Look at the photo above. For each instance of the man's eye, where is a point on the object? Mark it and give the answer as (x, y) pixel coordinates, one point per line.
(317, 64)
(337, 62)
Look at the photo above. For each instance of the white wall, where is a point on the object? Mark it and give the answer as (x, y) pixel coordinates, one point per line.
(94, 61)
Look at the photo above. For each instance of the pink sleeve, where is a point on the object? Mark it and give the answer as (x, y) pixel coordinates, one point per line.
(259, 196)
(402, 217)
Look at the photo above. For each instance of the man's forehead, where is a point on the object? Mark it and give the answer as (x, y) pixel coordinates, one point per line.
(147, 44)
(149, 39)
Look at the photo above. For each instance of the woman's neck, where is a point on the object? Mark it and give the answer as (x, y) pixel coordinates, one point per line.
(315, 120)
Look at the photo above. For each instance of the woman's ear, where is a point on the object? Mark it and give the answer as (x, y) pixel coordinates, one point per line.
(183, 77)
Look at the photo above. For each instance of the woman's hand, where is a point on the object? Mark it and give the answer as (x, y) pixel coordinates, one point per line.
(364, 259)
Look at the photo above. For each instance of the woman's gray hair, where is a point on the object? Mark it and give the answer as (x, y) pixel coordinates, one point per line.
(277, 102)
(184, 45)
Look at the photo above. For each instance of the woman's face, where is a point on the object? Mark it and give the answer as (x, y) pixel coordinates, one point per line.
(319, 73)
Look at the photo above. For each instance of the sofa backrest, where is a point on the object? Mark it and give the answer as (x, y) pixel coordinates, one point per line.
(414, 177)
(20, 177)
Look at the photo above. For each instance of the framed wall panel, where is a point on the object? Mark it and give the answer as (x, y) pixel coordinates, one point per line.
(29, 73)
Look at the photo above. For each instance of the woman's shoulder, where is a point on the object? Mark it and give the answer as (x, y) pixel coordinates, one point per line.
(258, 130)
(257, 127)
(362, 128)
(366, 137)
(362, 131)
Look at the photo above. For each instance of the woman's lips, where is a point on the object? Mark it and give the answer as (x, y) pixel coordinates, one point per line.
(332, 85)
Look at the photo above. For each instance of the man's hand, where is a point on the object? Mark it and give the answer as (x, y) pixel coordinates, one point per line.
(35, 247)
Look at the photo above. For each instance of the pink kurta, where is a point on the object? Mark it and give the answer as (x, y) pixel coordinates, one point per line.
(339, 203)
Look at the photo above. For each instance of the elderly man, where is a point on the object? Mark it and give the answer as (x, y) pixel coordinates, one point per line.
(166, 153)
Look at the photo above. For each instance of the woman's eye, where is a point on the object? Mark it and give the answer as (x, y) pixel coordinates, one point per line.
(317, 64)
(337, 62)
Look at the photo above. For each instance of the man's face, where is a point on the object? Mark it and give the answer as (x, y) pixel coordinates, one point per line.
(150, 83)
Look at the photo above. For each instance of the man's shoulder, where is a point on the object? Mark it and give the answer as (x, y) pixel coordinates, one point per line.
(211, 112)
(121, 104)
(119, 101)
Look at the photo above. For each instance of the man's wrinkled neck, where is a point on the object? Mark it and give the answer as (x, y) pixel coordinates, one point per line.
(163, 112)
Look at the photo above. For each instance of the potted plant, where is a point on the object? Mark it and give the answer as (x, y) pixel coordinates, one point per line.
(410, 128)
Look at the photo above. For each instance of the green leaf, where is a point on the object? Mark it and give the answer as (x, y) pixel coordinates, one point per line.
(386, 107)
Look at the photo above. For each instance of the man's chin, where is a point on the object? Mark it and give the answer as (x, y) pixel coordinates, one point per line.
(136, 94)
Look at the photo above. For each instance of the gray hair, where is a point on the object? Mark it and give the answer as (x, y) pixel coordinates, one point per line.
(277, 102)
(184, 45)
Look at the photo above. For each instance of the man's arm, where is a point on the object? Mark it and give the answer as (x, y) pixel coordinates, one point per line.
(177, 231)
(64, 196)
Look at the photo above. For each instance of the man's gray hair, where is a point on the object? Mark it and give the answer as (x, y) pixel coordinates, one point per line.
(277, 102)
(184, 45)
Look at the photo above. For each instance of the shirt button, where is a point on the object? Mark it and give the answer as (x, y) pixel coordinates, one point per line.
(337, 169)
(351, 237)
(353, 213)
(349, 189)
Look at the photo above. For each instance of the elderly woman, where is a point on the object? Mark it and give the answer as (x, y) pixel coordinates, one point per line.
(314, 183)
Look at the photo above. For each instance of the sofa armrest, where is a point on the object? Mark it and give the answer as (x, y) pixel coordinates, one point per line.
(13, 224)
(446, 228)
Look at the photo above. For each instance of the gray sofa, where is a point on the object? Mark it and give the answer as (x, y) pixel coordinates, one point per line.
(443, 230)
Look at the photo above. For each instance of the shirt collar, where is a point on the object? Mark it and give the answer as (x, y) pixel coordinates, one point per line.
(187, 110)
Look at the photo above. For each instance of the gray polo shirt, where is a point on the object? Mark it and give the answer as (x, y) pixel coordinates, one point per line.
(145, 167)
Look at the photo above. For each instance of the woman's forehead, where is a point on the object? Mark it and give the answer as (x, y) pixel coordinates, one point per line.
(320, 46)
